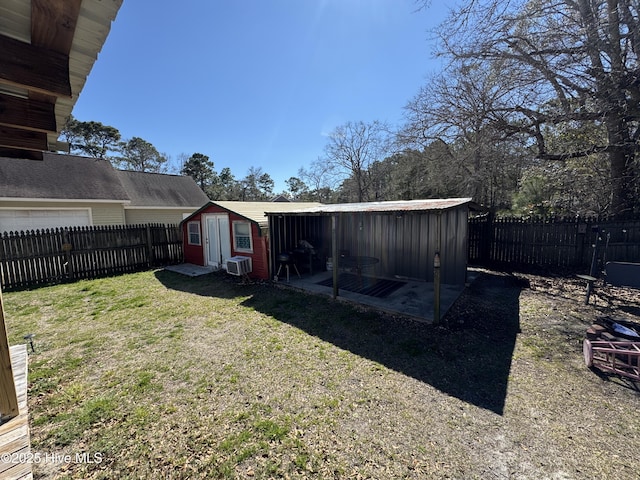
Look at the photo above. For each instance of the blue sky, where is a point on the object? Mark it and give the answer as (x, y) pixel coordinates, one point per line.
(257, 82)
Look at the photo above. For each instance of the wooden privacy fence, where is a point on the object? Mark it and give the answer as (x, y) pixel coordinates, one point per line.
(66, 254)
(553, 244)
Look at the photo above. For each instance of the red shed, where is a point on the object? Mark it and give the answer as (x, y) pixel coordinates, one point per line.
(224, 229)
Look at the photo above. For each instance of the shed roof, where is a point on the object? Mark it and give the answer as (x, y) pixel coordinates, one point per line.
(256, 211)
(434, 204)
(153, 190)
(64, 177)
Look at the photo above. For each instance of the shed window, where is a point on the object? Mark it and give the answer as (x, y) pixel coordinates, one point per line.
(242, 236)
(194, 233)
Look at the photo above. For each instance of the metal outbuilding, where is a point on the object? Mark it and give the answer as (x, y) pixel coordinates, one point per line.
(402, 237)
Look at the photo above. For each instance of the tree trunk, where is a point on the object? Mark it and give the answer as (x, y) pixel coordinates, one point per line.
(621, 156)
(622, 201)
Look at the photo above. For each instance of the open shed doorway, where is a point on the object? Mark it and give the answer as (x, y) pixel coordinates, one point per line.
(307, 239)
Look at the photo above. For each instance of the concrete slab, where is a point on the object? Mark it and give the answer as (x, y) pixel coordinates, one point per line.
(190, 269)
(414, 299)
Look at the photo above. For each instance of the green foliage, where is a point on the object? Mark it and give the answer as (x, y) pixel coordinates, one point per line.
(576, 187)
(200, 168)
(256, 186)
(141, 156)
(297, 188)
(90, 138)
(537, 194)
(225, 186)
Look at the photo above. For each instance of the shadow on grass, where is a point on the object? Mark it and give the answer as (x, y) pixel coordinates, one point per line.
(469, 358)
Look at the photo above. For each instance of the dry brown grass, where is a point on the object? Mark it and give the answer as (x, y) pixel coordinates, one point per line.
(169, 377)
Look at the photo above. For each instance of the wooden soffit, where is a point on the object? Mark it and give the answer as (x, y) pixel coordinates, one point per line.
(33, 68)
(34, 75)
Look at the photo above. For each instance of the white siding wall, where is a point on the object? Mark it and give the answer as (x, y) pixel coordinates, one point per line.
(138, 216)
(108, 214)
(99, 213)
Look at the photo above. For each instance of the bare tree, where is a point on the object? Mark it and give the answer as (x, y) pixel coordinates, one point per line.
(457, 112)
(352, 149)
(321, 180)
(563, 63)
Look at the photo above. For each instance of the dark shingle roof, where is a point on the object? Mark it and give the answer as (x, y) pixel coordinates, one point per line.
(70, 177)
(60, 177)
(153, 190)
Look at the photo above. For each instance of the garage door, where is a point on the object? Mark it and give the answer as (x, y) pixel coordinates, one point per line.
(20, 220)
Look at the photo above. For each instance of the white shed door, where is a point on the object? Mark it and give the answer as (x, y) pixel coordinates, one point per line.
(22, 220)
(218, 240)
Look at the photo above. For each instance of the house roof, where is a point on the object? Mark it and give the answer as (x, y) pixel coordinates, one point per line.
(256, 211)
(64, 177)
(57, 44)
(436, 204)
(70, 177)
(151, 189)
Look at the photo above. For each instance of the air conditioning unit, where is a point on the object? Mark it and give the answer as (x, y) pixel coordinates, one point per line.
(239, 265)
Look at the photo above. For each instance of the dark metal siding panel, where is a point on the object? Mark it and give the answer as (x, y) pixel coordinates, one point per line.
(410, 238)
(404, 244)
(448, 253)
(455, 242)
(407, 244)
(432, 246)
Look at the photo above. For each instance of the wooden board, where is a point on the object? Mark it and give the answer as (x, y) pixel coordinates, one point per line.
(8, 396)
(14, 434)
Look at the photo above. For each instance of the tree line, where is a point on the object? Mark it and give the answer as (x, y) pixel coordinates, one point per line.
(94, 139)
(536, 112)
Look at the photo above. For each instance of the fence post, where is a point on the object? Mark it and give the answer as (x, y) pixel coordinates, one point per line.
(150, 246)
(581, 240)
(66, 248)
(487, 239)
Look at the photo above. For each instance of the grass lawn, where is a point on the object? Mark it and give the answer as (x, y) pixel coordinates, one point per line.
(156, 375)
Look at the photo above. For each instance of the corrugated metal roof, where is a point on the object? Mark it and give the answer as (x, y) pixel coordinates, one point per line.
(256, 211)
(433, 204)
(92, 29)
